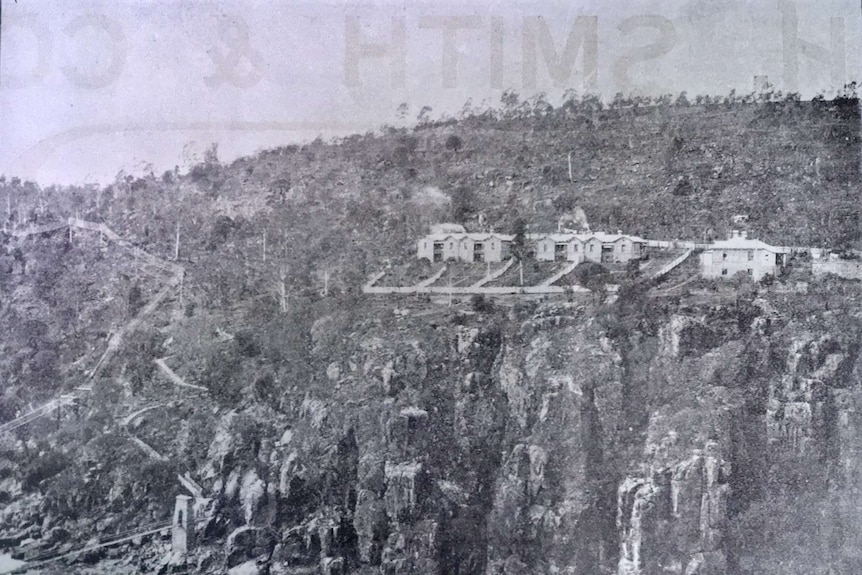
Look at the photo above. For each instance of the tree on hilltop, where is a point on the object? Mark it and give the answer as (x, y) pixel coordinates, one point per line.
(402, 110)
(454, 143)
(519, 242)
(424, 116)
(463, 204)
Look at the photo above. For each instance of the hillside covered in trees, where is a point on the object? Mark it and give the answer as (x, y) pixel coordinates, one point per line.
(660, 169)
(399, 436)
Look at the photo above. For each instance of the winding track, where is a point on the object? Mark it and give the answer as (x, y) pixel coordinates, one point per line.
(117, 338)
(113, 345)
(115, 540)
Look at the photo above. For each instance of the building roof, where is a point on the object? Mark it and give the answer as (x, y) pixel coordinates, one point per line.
(562, 237)
(741, 243)
(554, 237)
(476, 237)
(603, 236)
(585, 237)
(612, 238)
(447, 228)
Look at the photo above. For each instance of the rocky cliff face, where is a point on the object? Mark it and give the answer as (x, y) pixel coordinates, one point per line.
(573, 442)
(635, 438)
(748, 422)
(389, 462)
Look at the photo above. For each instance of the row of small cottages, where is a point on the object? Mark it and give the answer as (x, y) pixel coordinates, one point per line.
(493, 247)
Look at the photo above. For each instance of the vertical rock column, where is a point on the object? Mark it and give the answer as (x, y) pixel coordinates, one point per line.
(676, 518)
(183, 527)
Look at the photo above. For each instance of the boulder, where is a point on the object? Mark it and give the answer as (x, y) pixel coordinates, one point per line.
(403, 489)
(247, 568)
(57, 536)
(332, 566)
(251, 494)
(407, 432)
(241, 545)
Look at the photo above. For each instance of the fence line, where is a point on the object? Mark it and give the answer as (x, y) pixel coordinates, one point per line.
(176, 379)
(433, 278)
(116, 339)
(667, 268)
(554, 278)
(32, 565)
(495, 274)
(148, 449)
(470, 290)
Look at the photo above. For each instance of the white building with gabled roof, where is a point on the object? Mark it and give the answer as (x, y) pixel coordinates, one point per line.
(442, 246)
(555, 246)
(598, 247)
(603, 247)
(466, 247)
(739, 253)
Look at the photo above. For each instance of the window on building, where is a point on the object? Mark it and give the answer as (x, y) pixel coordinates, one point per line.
(545, 248)
(750, 271)
(425, 245)
(450, 245)
(592, 246)
(559, 251)
(724, 272)
(724, 256)
(622, 247)
(750, 255)
(575, 247)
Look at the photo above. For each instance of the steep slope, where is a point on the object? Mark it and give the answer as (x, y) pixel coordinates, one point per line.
(343, 433)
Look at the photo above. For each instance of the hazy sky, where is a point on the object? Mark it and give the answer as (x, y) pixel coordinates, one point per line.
(90, 88)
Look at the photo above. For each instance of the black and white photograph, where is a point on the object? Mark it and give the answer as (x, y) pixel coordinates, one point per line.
(378, 287)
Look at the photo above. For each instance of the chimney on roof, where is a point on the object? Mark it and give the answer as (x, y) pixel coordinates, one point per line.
(743, 234)
(619, 232)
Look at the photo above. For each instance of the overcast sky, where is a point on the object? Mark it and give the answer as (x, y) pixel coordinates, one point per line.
(90, 88)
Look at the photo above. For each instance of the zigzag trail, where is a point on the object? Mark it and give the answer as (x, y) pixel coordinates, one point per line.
(667, 268)
(554, 278)
(116, 539)
(177, 273)
(116, 339)
(495, 274)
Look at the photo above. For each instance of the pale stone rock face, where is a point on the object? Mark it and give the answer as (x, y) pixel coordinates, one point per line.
(314, 410)
(247, 568)
(251, 493)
